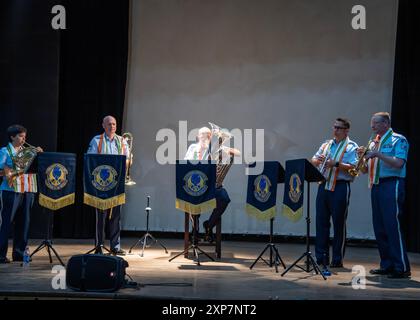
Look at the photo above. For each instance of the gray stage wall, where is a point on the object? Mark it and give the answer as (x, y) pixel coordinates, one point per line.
(289, 67)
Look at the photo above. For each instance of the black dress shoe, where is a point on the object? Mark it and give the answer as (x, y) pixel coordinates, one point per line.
(380, 271)
(4, 260)
(399, 275)
(209, 232)
(119, 252)
(336, 265)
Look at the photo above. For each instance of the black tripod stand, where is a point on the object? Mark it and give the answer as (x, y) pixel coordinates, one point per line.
(194, 246)
(47, 243)
(310, 263)
(148, 234)
(275, 258)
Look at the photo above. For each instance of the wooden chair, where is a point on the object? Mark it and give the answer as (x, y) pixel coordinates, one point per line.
(217, 244)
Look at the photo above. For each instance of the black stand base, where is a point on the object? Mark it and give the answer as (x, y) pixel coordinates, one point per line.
(48, 245)
(311, 265)
(196, 251)
(99, 249)
(143, 240)
(194, 247)
(275, 258)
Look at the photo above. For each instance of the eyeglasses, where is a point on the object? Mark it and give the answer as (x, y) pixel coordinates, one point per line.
(338, 127)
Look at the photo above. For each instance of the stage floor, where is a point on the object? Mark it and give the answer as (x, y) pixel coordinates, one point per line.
(229, 278)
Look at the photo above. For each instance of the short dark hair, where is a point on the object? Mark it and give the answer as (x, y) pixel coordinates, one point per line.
(345, 122)
(384, 116)
(14, 130)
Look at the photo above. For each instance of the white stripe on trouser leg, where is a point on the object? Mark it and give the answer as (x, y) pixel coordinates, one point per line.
(345, 219)
(398, 224)
(1, 207)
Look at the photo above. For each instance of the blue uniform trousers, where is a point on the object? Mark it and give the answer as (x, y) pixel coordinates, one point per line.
(331, 205)
(102, 217)
(387, 208)
(15, 208)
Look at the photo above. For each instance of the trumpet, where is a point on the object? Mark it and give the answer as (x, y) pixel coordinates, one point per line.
(323, 166)
(127, 136)
(355, 172)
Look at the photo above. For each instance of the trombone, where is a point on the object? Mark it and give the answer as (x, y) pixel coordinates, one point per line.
(127, 136)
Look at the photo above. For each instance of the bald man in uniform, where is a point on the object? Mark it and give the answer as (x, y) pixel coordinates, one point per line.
(109, 143)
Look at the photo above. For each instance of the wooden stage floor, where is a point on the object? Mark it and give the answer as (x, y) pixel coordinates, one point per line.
(229, 278)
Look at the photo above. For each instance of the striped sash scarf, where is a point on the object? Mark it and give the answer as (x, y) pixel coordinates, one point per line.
(374, 163)
(103, 145)
(332, 173)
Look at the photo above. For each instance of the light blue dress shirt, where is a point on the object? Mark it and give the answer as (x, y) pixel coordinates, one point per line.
(396, 146)
(5, 160)
(349, 157)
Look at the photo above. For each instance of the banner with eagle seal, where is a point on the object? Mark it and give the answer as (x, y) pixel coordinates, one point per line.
(104, 180)
(56, 177)
(195, 187)
(293, 189)
(262, 192)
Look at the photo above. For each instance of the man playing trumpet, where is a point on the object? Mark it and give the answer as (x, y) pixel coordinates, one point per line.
(334, 159)
(386, 164)
(17, 193)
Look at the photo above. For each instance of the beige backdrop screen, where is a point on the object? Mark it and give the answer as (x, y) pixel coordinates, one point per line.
(288, 67)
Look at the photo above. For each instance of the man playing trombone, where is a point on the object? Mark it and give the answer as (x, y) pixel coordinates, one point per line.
(17, 193)
(386, 165)
(334, 159)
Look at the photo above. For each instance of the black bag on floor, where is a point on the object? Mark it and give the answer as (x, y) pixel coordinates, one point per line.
(96, 273)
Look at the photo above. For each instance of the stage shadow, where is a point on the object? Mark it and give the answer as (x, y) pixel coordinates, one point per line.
(206, 267)
(383, 282)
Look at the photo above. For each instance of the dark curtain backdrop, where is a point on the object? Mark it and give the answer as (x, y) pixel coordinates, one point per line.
(60, 84)
(406, 110)
(29, 77)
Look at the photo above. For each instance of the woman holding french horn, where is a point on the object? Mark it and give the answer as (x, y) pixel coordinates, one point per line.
(17, 191)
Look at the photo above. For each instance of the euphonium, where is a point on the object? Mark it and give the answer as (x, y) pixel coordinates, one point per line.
(127, 136)
(222, 167)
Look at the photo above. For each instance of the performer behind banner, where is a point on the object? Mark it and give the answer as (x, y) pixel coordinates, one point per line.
(109, 143)
(17, 196)
(201, 151)
(334, 159)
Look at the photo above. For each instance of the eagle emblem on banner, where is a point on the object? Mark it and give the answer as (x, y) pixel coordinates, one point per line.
(104, 178)
(195, 183)
(295, 185)
(262, 185)
(56, 176)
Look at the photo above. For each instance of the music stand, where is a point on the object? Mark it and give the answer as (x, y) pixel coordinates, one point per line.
(47, 243)
(144, 238)
(194, 245)
(311, 175)
(275, 258)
